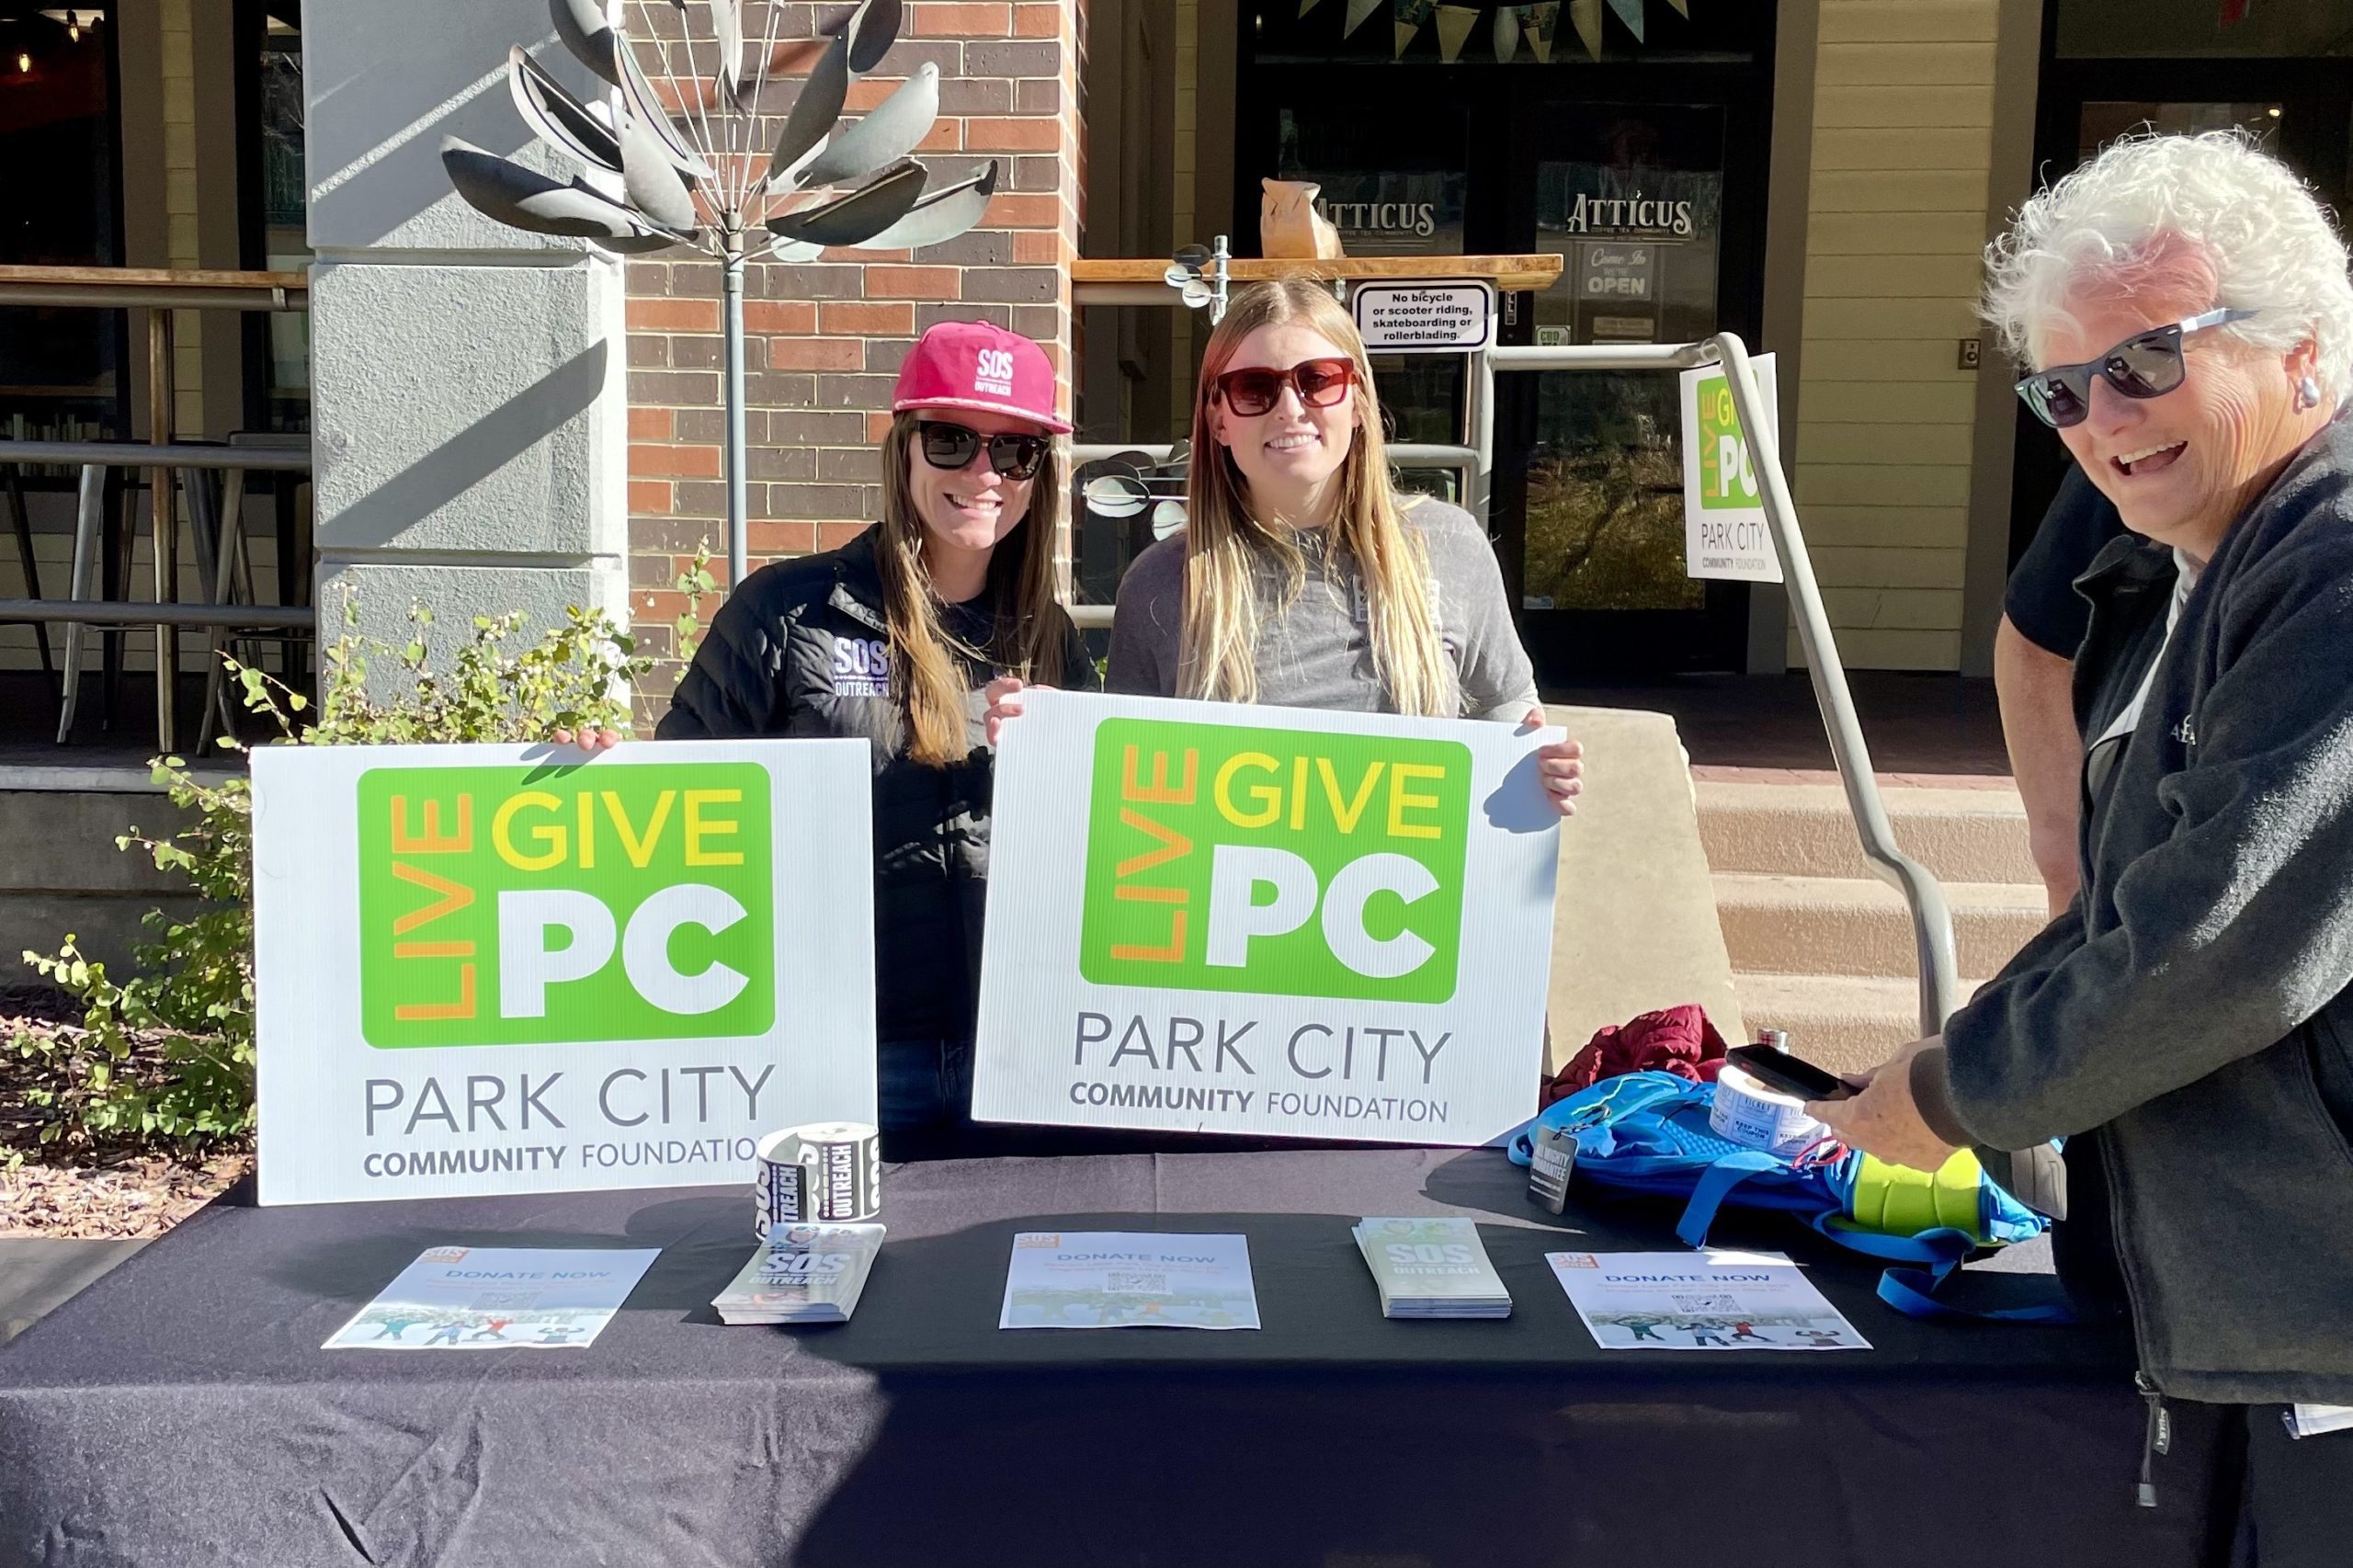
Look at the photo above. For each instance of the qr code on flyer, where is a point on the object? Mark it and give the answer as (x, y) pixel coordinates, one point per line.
(1706, 1304)
(1137, 1284)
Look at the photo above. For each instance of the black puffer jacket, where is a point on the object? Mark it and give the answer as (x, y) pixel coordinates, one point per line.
(803, 649)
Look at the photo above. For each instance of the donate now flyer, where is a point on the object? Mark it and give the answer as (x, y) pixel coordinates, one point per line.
(1709, 1300)
(455, 1298)
(1122, 1279)
(1226, 918)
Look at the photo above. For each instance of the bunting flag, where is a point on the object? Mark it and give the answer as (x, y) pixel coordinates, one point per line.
(1535, 23)
(1542, 22)
(1454, 24)
(1408, 16)
(1586, 17)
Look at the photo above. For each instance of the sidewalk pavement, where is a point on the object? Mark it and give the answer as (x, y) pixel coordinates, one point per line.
(38, 1274)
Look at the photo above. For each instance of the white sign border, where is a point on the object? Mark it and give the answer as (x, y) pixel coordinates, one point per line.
(306, 929)
(1035, 855)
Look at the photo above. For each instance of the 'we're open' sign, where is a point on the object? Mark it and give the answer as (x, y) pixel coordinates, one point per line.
(484, 970)
(1282, 922)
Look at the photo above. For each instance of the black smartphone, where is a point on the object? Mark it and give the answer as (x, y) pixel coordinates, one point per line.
(1784, 1074)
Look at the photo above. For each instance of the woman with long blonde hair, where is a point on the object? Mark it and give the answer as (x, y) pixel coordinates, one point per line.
(1304, 577)
(891, 638)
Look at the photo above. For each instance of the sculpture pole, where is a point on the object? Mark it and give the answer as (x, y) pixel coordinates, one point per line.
(655, 182)
(739, 526)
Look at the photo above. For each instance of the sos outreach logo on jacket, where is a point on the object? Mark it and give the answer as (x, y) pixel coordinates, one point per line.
(1219, 917)
(508, 969)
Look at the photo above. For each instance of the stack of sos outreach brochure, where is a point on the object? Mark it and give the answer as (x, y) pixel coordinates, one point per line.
(1431, 1269)
(802, 1274)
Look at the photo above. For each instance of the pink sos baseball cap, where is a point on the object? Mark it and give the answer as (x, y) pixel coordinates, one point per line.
(970, 364)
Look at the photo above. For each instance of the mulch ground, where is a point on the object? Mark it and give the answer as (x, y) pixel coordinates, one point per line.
(94, 1189)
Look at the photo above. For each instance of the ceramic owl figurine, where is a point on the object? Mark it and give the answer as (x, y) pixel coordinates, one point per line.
(1289, 225)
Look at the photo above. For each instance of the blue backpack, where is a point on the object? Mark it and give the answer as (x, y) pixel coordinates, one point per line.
(1648, 1134)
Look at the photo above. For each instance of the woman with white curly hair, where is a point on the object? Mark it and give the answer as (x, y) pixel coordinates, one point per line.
(2182, 308)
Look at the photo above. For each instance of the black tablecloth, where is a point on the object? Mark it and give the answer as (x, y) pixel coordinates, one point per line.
(181, 1411)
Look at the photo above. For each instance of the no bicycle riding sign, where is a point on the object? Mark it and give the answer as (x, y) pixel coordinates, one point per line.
(1281, 922)
(482, 972)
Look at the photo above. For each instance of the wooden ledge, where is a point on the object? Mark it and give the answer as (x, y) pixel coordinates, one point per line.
(153, 278)
(1506, 272)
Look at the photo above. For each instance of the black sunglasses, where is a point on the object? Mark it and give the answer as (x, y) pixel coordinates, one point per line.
(2146, 365)
(1319, 383)
(951, 447)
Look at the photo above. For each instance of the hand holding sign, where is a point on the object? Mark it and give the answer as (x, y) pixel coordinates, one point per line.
(1264, 921)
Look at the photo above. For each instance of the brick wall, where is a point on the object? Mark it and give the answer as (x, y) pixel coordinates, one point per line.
(824, 340)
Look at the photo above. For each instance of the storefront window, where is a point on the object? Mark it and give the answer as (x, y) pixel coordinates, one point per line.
(1636, 216)
(60, 369)
(2104, 121)
(2198, 29)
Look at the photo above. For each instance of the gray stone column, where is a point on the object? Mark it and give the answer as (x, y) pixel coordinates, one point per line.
(470, 404)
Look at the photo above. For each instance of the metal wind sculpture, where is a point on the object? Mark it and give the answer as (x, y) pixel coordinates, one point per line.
(708, 179)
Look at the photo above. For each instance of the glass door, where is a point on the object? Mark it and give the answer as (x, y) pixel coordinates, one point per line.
(1589, 466)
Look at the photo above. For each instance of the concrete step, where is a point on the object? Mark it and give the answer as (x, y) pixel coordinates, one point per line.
(1962, 835)
(1854, 925)
(1843, 1022)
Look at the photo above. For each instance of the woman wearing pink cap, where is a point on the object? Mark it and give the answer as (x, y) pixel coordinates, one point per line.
(892, 639)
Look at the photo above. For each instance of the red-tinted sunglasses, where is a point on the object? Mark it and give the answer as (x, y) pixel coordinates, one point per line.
(1320, 383)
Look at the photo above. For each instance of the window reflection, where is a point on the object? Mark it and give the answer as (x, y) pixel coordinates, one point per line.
(1636, 219)
(59, 369)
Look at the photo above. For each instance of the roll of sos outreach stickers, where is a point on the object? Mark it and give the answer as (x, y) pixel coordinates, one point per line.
(835, 1175)
(777, 1197)
(1747, 1113)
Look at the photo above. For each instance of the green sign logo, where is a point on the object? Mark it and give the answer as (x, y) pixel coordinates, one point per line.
(1221, 857)
(510, 906)
(1727, 475)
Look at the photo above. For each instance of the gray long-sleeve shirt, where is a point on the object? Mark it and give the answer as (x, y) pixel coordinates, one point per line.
(1316, 652)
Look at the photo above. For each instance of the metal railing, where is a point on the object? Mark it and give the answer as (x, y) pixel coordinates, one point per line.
(1932, 917)
(220, 540)
(1463, 461)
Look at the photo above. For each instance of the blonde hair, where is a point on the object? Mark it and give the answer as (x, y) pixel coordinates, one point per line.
(925, 674)
(1225, 541)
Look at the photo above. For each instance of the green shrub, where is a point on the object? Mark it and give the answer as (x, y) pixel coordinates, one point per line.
(166, 1058)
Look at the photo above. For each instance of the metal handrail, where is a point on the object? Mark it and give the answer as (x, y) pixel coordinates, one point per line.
(1404, 454)
(1932, 917)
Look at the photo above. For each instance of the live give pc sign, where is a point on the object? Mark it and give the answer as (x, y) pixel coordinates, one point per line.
(1219, 917)
(508, 968)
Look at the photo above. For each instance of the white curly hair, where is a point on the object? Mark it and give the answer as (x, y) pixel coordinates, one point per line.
(2209, 212)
